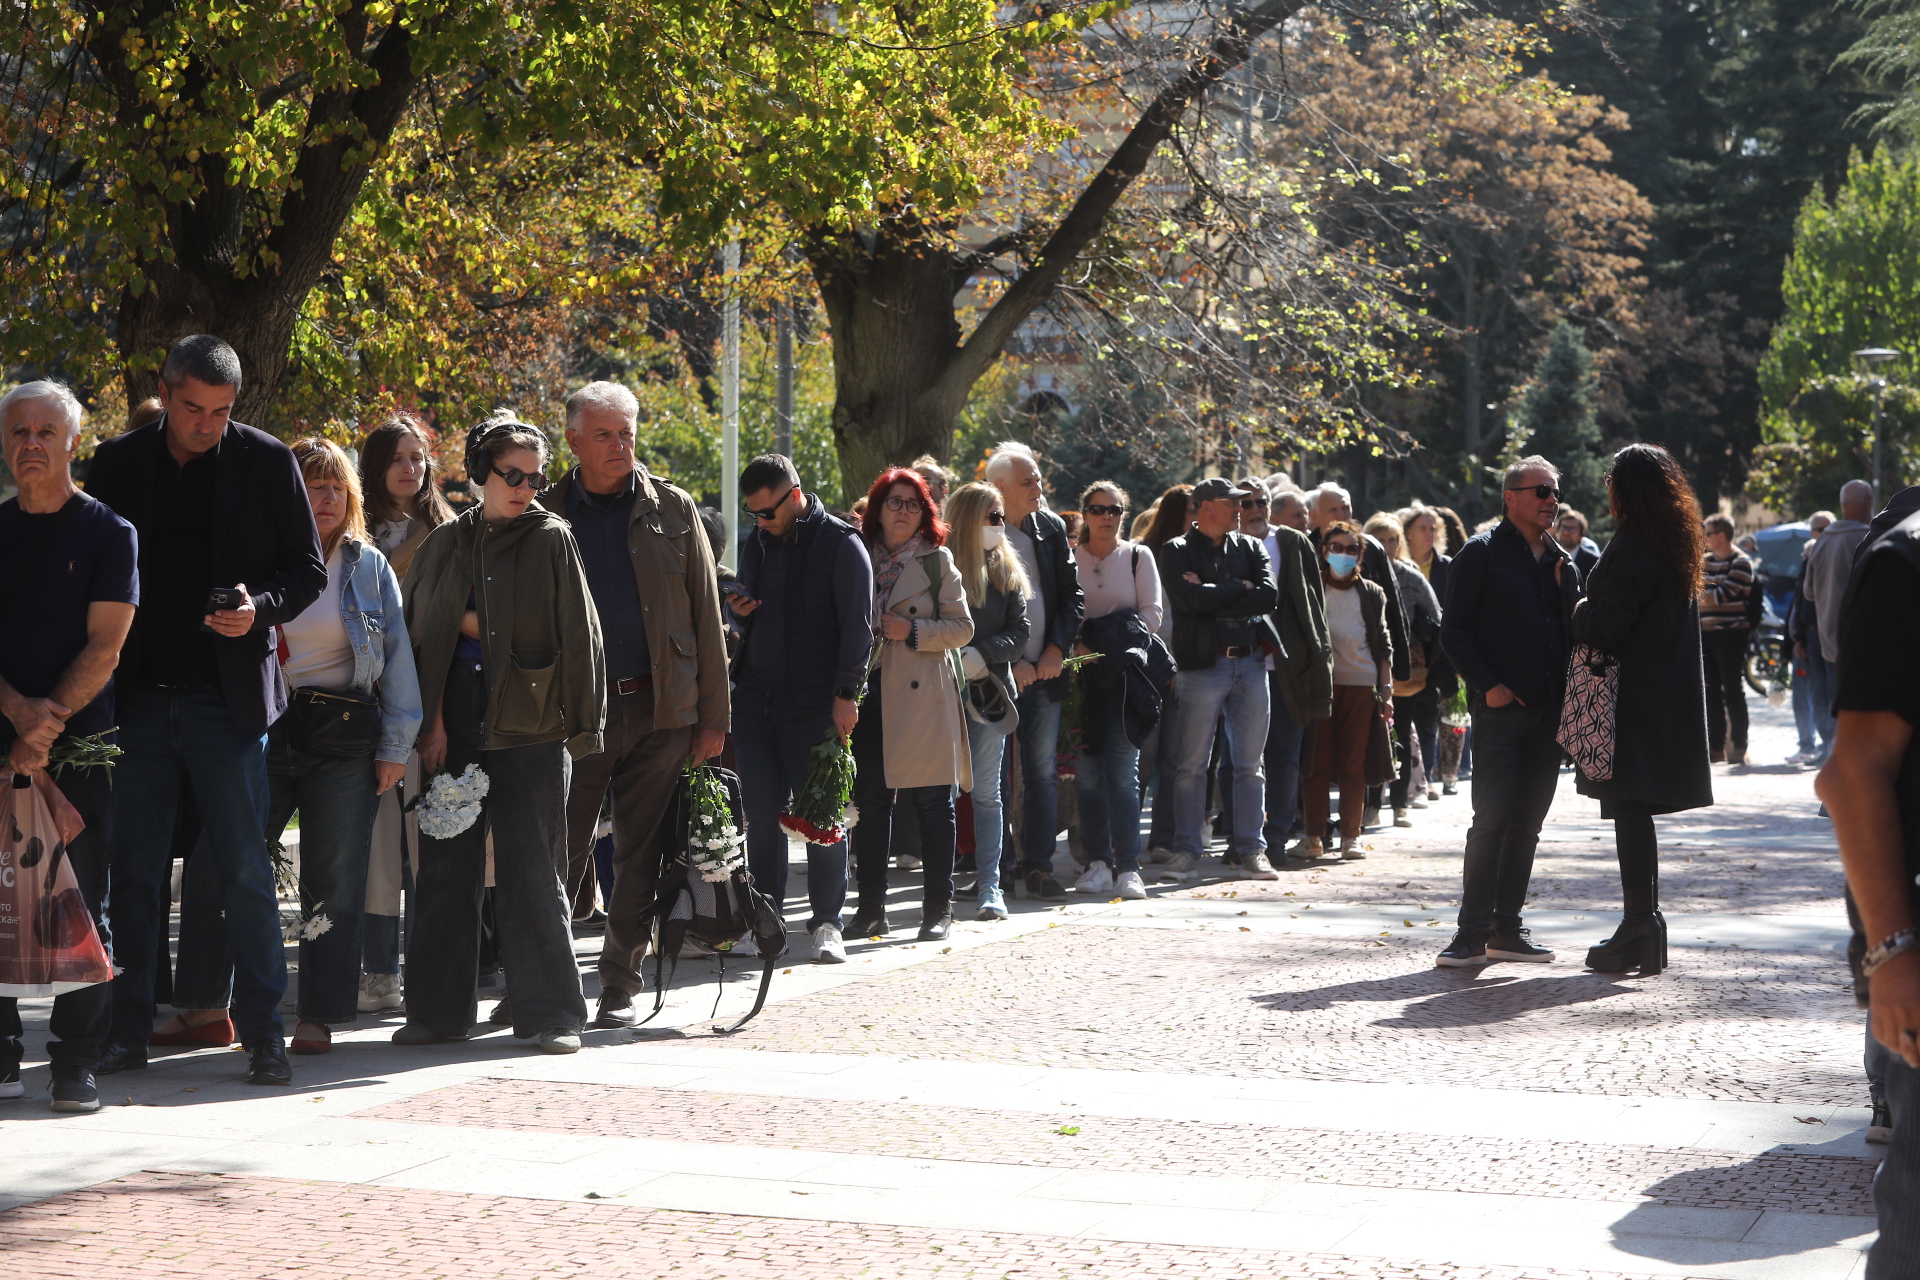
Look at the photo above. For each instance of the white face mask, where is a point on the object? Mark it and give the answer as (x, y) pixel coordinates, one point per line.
(993, 535)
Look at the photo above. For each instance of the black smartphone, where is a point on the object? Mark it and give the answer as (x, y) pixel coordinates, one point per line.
(734, 590)
(223, 598)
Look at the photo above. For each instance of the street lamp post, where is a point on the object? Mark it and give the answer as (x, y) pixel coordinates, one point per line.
(1871, 358)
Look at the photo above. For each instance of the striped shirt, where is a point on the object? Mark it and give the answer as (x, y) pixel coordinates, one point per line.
(1723, 597)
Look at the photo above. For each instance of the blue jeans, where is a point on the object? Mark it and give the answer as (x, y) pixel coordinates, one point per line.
(1236, 687)
(336, 803)
(1109, 785)
(989, 749)
(165, 734)
(1896, 1189)
(1282, 761)
(81, 1018)
(1820, 690)
(1039, 735)
(772, 750)
(1512, 790)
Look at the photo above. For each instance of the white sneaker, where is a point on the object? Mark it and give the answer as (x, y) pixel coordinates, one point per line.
(907, 862)
(1258, 868)
(380, 992)
(1351, 851)
(1800, 757)
(1158, 855)
(1308, 847)
(1400, 818)
(1131, 885)
(1097, 878)
(1418, 802)
(1183, 867)
(10, 1086)
(828, 948)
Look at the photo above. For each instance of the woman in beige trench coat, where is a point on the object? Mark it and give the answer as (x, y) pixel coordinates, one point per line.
(911, 741)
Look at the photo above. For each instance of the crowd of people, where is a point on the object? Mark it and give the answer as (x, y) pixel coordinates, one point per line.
(274, 630)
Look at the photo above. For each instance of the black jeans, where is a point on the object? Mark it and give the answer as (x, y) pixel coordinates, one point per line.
(1516, 767)
(872, 836)
(526, 812)
(1725, 655)
(1896, 1190)
(81, 1018)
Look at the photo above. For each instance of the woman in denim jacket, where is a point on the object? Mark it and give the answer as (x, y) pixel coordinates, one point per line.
(352, 640)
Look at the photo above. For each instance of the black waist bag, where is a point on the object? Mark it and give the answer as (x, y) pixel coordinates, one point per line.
(327, 722)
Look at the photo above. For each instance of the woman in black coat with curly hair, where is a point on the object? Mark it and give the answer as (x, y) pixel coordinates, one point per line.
(1641, 608)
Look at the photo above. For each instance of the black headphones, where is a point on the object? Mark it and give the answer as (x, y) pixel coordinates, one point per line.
(477, 451)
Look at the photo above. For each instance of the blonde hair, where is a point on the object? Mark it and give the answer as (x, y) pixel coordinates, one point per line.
(966, 513)
(322, 459)
(1383, 522)
(1407, 515)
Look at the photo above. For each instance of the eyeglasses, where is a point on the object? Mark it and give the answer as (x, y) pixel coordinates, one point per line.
(1343, 548)
(772, 512)
(996, 517)
(1248, 504)
(1540, 491)
(1105, 509)
(904, 504)
(515, 477)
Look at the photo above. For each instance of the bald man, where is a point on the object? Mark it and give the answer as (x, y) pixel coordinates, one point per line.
(1829, 560)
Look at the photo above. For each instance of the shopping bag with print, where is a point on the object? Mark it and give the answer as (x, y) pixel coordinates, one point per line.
(48, 944)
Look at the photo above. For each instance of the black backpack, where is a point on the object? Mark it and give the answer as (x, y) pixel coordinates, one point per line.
(710, 917)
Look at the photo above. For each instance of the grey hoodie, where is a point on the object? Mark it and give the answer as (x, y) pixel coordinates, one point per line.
(1824, 581)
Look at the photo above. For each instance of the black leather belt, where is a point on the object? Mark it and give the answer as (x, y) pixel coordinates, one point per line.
(1236, 651)
(627, 687)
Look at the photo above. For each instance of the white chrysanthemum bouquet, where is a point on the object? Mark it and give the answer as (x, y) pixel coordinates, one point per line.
(450, 805)
(715, 844)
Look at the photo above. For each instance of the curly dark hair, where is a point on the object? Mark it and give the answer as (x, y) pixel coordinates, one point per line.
(1649, 494)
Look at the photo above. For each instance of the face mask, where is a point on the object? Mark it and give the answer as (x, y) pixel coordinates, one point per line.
(1340, 564)
(992, 536)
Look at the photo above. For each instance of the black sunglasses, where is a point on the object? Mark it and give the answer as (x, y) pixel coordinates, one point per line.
(996, 517)
(1248, 504)
(1540, 491)
(515, 477)
(772, 512)
(1105, 509)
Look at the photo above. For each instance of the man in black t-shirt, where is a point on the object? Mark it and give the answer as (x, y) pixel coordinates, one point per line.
(67, 597)
(1871, 786)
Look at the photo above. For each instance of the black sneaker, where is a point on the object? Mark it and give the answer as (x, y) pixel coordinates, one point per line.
(267, 1061)
(74, 1089)
(616, 1009)
(1517, 945)
(1466, 951)
(1039, 885)
(116, 1056)
(1880, 1128)
(869, 924)
(502, 1015)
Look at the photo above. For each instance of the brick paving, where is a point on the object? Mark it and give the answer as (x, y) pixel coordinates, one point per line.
(1561, 1170)
(1747, 1026)
(236, 1228)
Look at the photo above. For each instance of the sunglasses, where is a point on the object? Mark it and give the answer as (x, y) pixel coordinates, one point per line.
(904, 504)
(1540, 491)
(515, 477)
(1105, 509)
(773, 511)
(996, 517)
(1343, 548)
(1248, 504)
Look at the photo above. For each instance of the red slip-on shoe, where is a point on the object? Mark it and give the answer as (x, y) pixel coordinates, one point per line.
(302, 1044)
(217, 1035)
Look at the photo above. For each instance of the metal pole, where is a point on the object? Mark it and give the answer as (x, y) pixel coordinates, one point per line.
(730, 408)
(1879, 389)
(783, 385)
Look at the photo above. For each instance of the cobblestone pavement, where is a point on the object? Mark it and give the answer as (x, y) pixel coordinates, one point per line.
(1235, 1079)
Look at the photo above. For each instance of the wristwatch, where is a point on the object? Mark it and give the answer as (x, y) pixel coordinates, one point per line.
(844, 691)
(1885, 950)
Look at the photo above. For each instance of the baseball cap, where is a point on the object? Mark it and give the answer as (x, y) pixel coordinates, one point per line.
(1217, 487)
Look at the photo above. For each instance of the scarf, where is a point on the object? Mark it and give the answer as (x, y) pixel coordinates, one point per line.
(887, 567)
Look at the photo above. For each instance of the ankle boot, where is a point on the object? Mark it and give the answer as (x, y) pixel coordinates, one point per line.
(869, 920)
(1639, 943)
(936, 920)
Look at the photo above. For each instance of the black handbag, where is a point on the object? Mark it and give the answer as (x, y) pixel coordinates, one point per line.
(327, 722)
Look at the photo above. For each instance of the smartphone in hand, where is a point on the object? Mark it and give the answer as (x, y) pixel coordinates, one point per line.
(222, 598)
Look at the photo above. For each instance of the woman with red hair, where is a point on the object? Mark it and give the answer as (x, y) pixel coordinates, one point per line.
(912, 735)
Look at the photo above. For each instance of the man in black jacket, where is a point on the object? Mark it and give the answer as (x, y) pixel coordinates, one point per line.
(1039, 538)
(1505, 627)
(1220, 588)
(219, 507)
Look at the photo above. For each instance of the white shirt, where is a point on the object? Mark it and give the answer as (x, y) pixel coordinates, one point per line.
(1352, 656)
(1126, 579)
(319, 655)
(1036, 602)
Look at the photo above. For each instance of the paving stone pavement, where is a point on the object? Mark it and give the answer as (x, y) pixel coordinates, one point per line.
(1234, 1079)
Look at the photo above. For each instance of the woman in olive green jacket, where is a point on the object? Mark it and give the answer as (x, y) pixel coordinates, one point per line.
(507, 645)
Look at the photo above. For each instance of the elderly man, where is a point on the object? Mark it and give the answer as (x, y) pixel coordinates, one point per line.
(228, 551)
(67, 599)
(1289, 509)
(651, 571)
(1054, 608)
(1506, 624)
(805, 600)
(1829, 561)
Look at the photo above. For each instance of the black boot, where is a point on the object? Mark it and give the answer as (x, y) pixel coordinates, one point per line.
(869, 920)
(1639, 943)
(120, 1055)
(936, 921)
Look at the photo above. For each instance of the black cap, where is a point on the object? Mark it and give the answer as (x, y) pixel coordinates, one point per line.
(1217, 487)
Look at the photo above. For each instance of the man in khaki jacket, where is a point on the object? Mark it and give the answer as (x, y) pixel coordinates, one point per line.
(651, 571)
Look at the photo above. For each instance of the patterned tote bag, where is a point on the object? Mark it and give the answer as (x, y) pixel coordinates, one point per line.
(1587, 715)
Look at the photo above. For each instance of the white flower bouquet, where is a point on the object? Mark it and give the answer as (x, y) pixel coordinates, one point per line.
(715, 844)
(295, 925)
(450, 805)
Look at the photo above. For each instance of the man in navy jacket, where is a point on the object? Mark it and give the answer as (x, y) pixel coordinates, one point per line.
(1506, 623)
(218, 506)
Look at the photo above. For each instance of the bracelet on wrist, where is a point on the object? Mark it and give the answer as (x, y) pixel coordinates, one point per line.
(1886, 949)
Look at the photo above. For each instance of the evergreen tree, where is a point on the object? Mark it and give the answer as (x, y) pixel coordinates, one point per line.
(1557, 419)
